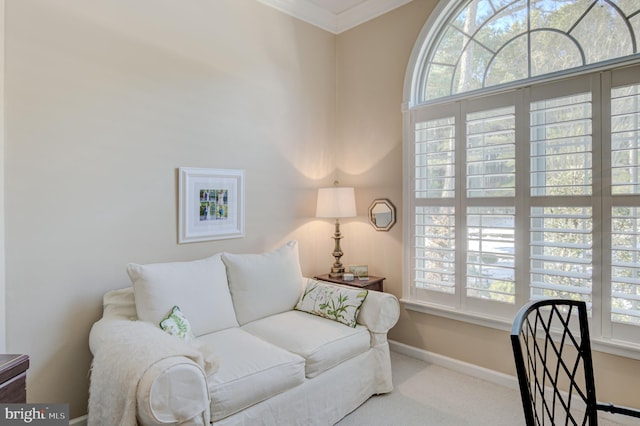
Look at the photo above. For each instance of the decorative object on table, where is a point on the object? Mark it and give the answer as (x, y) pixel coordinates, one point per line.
(211, 204)
(347, 276)
(359, 271)
(382, 214)
(336, 202)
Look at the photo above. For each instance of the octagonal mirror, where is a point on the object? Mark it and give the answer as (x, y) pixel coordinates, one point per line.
(382, 214)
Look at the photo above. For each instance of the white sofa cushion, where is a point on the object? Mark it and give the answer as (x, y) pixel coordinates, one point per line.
(198, 287)
(251, 370)
(264, 284)
(322, 343)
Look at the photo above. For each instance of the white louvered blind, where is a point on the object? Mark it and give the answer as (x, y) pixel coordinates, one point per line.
(625, 219)
(435, 158)
(561, 240)
(625, 265)
(561, 254)
(435, 249)
(625, 140)
(561, 146)
(491, 253)
(491, 153)
(435, 223)
(490, 156)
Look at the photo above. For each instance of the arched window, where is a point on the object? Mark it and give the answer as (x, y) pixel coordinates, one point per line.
(484, 43)
(522, 161)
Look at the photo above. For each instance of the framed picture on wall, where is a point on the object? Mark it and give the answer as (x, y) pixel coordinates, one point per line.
(210, 204)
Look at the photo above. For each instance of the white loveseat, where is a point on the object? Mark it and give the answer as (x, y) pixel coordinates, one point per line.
(261, 345)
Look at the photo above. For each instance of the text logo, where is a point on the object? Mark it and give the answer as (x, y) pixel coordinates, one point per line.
(34, 414)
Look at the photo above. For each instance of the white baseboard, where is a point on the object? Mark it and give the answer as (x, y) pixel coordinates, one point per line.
(492, 376)
(489, 375)
(79, 421)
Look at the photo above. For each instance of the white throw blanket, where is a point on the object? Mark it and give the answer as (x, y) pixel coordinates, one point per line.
(113, 385)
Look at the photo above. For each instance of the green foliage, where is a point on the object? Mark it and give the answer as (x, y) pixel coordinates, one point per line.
(483, 46)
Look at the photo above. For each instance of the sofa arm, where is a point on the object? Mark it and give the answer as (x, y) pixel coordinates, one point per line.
(116, 305)
(173, 390)
(379, 312)
(137, 366)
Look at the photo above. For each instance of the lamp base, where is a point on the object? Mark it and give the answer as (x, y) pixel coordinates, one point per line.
(336, 272)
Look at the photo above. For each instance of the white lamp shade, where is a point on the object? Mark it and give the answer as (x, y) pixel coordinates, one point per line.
(336, 202)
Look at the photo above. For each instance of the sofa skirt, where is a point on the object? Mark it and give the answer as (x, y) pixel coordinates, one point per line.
(326, 398)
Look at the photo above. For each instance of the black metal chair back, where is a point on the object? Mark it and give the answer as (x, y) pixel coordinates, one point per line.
(552, 352)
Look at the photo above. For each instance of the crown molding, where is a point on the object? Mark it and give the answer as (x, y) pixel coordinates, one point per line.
(366, 11)
(306, 11)
(335, 23)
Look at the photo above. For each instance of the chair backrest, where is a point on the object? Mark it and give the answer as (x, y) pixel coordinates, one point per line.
(552, 352)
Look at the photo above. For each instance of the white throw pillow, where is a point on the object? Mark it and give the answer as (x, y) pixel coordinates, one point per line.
(264, 284)
(333, 302)
(199, 287)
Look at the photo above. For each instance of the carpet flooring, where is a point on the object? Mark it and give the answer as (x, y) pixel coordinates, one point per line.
(430, 395)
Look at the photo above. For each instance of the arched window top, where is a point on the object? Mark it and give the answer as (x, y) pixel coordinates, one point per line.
(475, 44)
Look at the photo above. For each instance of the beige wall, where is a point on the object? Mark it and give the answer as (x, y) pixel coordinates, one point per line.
(104, 100)
(372, 60)
(3, 317)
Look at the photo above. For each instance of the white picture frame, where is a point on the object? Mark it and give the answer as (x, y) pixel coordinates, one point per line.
(210, 204)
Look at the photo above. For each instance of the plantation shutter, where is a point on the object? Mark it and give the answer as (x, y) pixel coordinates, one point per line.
(561, 188)
(623, 203)
(434, 191)
(490, 157)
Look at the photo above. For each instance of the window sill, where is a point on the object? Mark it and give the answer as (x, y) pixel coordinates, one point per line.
(455, 314)
(608, 346)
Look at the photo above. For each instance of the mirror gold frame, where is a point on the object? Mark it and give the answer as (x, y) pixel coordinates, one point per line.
(382, 214)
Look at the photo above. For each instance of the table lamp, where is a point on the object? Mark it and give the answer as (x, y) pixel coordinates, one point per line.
(336, 202)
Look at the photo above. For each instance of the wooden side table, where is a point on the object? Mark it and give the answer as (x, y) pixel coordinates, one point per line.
(13, 379)
(373, 283)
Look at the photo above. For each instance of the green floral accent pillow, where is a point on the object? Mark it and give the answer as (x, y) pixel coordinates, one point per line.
(333, 302)
(176, 324)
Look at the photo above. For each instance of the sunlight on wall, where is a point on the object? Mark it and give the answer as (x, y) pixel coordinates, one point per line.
(364, 153)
